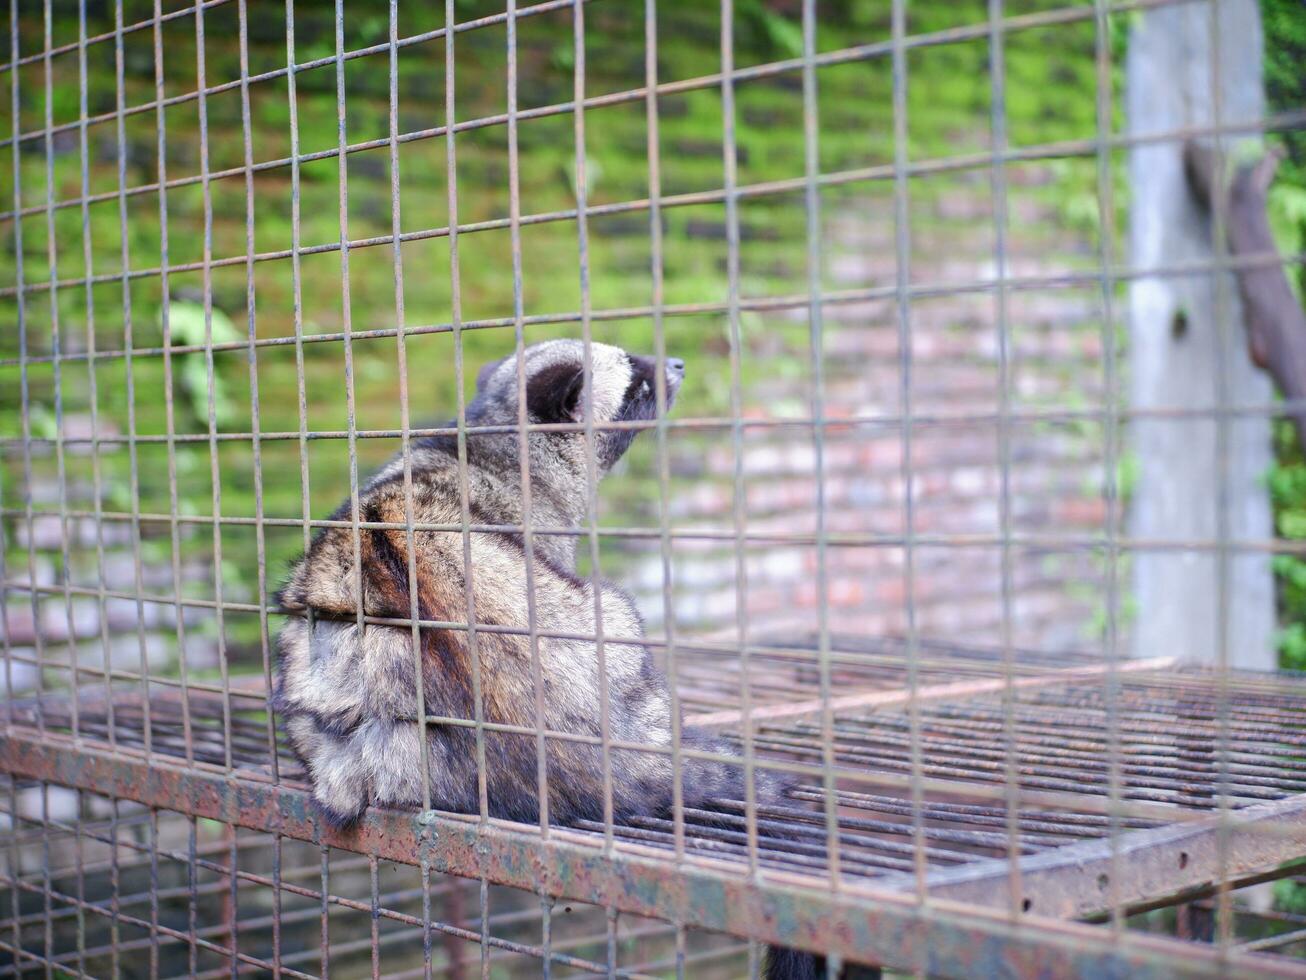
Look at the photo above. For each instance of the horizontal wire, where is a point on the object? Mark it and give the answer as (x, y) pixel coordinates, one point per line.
(323, 62)
(50, 964)
(132, 28)
(788, 764)
(1251, 260)
(860, 52)
(1035, 796)
(847, 539)
(934, 655)
(698, 424)
(852, 656)
(840, 657)
(146, 924)
(1061, 149)
(123, 674)
(1057, 149)
(650, 748)
(280, 885)
(1093, 802)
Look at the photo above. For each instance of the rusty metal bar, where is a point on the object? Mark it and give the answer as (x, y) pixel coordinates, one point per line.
(1075, 882)
(951, 938)
(937, 692)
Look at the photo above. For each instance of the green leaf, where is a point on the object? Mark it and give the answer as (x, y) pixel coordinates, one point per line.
(189, 326)
(186, 321)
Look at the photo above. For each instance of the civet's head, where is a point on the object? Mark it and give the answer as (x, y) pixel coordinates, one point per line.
(620, 387)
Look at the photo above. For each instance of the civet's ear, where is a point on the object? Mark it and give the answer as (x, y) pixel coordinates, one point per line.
(553, 393)
(483, 375)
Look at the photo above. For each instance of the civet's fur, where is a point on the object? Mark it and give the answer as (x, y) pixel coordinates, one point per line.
(346, 693)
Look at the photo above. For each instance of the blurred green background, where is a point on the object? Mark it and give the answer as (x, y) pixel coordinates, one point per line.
(1052, 77)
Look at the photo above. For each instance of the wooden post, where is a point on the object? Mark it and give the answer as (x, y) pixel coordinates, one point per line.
(1178, 344)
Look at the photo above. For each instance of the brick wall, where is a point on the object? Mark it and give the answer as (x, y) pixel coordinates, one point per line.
(1055, 471)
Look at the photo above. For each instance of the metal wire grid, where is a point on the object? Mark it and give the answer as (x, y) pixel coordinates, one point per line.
(149, 886)
(827, 748)
(1170, 731)
(152, 887)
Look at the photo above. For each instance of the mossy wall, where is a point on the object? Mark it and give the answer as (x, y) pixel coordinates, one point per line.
(1051, 75)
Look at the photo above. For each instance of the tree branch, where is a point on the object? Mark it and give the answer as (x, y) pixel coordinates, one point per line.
(1276, 323)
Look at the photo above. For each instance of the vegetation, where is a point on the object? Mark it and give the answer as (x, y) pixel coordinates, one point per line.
(1051, 96)
(1285, 84)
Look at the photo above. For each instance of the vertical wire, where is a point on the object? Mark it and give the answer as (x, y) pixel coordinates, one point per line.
(115, 888)
(297, 296)
(612, 917)
(325, 934)
(24, 387)
(6, 645)
(154, 871)
(15, 859)
(591, 466)
(79, 868)
(739, 519)
(816, 334)
(25, 416)
(523, 444)
(902, 250)
(276, 901)
(92, 386)
(192, 887)
(1111, 451)
(401, 355)
(591, 446)
(347, 312)
(350, 402)
(169, 411)
(305, 493)
(133, 468)
(456, 317)
(232, 912)
(424, 866)
(1223, 532)
(998, 184)
(15, 867)
(260, 541)
(523, 440)
(114, 881)
(56, 354)
(653, 135)
(464, 501)
(484, 898)
(215, 471)
(376, 916)
(255, 436)
(48, 897)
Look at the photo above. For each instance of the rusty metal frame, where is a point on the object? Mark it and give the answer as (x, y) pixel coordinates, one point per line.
(949, 936)
(1151, 867)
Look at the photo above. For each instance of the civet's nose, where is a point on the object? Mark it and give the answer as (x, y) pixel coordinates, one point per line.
(675, 365)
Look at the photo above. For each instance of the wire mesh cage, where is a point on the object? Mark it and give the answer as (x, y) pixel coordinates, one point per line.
(948, 588)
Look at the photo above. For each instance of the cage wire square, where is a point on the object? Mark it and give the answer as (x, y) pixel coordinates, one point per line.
(955, 533)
